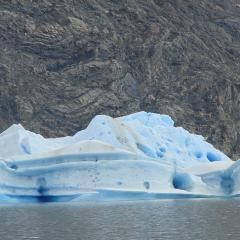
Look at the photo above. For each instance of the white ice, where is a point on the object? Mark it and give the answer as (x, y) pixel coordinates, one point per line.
(139, 156)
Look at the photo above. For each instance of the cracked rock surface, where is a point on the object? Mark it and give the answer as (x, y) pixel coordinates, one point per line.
(62, 62)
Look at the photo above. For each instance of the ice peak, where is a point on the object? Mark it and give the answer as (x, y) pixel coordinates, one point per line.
(15, 128)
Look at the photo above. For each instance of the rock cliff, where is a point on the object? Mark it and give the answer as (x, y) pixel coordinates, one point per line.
(62, 62)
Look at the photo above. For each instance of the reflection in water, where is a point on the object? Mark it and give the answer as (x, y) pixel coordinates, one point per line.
(164, 219)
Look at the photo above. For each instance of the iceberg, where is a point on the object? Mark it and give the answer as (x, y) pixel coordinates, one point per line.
(139, 156)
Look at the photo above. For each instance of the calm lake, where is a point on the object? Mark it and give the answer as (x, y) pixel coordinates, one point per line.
(163, 219)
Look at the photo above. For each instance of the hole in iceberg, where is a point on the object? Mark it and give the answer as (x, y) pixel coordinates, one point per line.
(182, 181)
(14, 166)
(213, 157)
(42, 190)
(146, 185)
(198, 154)
(160, 154)
(163, 150)
(41, 183)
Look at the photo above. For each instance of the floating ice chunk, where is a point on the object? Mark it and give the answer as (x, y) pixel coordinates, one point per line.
(142, 155)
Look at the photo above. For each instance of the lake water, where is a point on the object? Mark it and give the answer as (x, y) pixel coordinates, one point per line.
(164, 219)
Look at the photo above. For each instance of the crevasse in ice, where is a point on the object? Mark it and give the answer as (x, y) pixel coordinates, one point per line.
(139, 156)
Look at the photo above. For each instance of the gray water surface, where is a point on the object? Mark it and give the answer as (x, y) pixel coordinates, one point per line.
(164, 219)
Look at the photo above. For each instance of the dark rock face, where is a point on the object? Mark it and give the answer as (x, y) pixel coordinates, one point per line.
(62, 62)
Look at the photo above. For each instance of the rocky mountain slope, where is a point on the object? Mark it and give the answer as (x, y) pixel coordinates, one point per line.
(62, 62)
